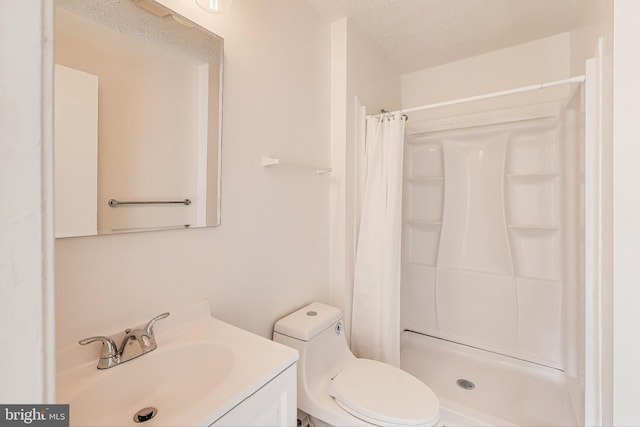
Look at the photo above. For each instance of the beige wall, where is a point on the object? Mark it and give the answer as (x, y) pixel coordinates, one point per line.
(271, 253)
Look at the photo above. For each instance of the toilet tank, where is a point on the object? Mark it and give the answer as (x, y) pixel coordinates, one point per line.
(317, 332)
(307, 323)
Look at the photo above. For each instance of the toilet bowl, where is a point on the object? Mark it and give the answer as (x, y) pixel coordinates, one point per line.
(338, 389)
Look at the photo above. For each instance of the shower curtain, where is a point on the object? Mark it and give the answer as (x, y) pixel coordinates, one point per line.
(375, 320)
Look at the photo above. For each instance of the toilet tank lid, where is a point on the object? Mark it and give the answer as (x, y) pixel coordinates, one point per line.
(309, 321)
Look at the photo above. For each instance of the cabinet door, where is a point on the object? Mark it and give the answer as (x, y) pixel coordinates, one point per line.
(273, 405)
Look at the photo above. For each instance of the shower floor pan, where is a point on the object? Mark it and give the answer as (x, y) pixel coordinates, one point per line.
(480, 388)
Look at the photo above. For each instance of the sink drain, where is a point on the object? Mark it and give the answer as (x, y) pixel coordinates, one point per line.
(465, 384)
(145, 414)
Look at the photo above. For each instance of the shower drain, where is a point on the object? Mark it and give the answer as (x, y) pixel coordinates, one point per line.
(465, 384)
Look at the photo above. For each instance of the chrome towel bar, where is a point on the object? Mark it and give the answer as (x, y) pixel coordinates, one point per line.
(115, 203)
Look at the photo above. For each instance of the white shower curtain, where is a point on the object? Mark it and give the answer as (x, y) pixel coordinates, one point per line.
(375, 328)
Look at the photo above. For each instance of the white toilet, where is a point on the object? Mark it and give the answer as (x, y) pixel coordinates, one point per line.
(335, 388)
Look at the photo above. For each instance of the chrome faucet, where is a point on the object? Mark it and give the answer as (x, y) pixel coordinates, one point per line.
(135, 343)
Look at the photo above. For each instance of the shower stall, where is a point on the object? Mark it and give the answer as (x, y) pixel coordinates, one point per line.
(493, 288)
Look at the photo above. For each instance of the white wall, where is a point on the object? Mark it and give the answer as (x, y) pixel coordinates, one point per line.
(626, 213)
(595, 20)
(360, 75)
(370, 76)
(522, 65)
(26, 212)
(271, 253)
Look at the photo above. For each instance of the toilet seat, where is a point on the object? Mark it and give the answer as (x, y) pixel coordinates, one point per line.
(384, 395)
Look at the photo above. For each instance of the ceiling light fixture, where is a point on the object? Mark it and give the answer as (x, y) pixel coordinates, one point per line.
(214, 6)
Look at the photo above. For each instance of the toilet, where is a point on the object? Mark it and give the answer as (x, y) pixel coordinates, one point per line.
(335, 388)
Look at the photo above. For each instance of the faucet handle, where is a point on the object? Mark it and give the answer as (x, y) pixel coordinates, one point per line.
(109, 348)
(149, 328)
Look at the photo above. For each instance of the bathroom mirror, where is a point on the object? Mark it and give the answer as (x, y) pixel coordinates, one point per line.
(138, 107)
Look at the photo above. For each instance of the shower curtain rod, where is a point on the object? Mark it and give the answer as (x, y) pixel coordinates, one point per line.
(576, 79)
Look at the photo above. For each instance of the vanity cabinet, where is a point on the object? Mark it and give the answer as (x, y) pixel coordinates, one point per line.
(274, 404)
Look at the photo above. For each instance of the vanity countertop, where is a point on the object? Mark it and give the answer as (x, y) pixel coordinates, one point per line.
(202, 369)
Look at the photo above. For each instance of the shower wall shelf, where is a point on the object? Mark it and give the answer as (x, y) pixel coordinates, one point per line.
(268, 162)
(533, 202)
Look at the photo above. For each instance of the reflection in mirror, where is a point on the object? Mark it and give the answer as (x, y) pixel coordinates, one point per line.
(137, 119)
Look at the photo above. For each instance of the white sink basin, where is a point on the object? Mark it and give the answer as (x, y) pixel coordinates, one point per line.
(200, 370)
(167, 379)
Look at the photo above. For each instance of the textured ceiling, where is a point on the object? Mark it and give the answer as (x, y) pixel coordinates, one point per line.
(417, 34)
(179, 36)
